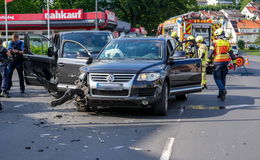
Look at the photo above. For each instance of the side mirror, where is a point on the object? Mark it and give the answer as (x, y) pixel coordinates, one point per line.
(89, 60)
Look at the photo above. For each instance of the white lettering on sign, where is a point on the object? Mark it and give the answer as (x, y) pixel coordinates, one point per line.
(64, 14)
(8, 17)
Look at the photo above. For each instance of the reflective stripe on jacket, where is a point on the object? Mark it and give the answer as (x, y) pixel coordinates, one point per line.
(221, 49)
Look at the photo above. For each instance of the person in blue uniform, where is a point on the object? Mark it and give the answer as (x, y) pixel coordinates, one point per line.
(16, 47)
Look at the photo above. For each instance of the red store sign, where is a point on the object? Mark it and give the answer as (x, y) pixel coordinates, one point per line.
(64, 14)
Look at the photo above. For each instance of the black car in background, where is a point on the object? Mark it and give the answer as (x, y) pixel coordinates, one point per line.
(59, 64)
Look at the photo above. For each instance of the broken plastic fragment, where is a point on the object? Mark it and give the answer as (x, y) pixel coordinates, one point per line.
(118, 147)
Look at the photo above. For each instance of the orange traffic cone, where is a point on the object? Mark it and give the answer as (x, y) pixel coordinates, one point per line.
(247, 61)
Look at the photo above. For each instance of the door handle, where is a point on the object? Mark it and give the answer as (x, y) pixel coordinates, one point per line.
(61, 64)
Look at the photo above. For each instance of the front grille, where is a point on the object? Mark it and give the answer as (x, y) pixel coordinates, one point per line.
(146, 92)
(111, 77)
(110, 93)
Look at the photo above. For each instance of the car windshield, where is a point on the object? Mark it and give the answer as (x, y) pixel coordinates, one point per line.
(93, 41)
(133, 49)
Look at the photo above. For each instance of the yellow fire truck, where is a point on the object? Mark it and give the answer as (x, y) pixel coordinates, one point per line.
(190, 24)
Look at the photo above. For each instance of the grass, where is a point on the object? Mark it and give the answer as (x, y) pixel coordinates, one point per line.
(247, 50)
(256, 53)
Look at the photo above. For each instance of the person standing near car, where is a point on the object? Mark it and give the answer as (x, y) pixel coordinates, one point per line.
(221, 54)
(16, 47)
(4, 76)
(190, 48)
(203, 55)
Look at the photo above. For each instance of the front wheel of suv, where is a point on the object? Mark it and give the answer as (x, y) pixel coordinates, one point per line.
(161, 106)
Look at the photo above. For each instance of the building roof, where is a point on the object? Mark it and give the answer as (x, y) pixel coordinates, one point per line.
(243, 24)
(212, 14)
(251, 9)
(254, 10)
(233, 13)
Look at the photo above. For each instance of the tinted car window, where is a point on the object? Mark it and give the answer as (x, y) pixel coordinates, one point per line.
(133, 49)
(73, 50)
(94, 42)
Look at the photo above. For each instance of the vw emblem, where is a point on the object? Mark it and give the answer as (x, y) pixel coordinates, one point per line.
(110, 78)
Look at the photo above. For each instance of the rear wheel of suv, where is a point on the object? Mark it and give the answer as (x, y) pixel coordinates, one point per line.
(56, 94)
(161, 106)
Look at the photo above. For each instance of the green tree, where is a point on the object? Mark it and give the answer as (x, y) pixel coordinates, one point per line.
(243, 3)
(148, 13)
(241, 44)
(23, 6)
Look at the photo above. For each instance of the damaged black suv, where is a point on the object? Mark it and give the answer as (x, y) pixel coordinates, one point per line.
(137, 71)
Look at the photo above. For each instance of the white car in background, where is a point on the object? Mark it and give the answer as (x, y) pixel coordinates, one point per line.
(235, 49)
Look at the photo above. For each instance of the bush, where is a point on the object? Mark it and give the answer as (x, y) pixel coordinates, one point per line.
(241, 44)
(251, 48)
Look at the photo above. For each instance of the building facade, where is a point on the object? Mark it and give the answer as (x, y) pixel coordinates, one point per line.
(215, 2)
(246, 30)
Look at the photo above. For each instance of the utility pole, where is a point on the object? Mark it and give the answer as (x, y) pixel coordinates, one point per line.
(96, 19)
(6, 24)
(48, 18)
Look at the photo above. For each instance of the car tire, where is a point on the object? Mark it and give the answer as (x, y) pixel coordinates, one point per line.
(55, 94)
(182, 97)
(161, 106)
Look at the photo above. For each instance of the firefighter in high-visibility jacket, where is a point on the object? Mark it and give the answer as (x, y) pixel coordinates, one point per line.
(190, 47)
(203, 55)
(220, 54)
(176, 39)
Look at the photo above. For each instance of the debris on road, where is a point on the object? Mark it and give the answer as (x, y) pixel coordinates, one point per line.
(41, 123)
(54, 137)
(75, 140)
(28, 147)
(20, 105)
(135, 148)
(139, 149)
(44, 135)
(58, 116)
(118, 147)
(62, 144)
(40, 150)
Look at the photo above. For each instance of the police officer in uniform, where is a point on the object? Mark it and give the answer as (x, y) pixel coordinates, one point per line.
(16, 47)
(4, 76)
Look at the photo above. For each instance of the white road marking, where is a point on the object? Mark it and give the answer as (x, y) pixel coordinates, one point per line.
(239, 106)
(181, 112)
(20, 105)
(167, 151)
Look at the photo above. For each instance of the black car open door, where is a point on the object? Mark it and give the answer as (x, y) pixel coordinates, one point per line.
(40, 59)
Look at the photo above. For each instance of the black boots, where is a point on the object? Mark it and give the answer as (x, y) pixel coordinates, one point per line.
(222, 95)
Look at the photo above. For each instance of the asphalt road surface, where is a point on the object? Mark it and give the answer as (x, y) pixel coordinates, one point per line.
(201, 128)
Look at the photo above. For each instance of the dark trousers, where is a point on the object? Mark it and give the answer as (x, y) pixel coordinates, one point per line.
(4, 77)
(220, 73)
(18, 65)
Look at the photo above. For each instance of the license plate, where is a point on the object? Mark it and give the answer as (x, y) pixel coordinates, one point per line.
(109, 86)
